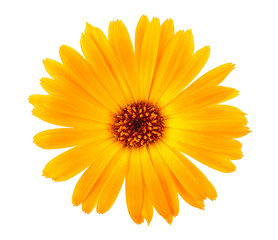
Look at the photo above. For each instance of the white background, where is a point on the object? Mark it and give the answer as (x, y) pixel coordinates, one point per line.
(243, 32)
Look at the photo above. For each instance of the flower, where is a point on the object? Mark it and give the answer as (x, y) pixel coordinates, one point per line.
(130, 115)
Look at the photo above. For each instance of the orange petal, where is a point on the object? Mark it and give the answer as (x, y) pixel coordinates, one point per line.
(79, 69)
(206, 184)
(65, 120)
(134, 187)
(216, 161)
(182, 173)
(64, 84)
(154, 187)
(149, 56)
(71, 107)
(101, 69)
(68, 137)
(114, 183)
(93, 196)
(147, 211)
(186, 196)
(111, 59)
(212, 78)
(120, 40)
(139, 36)
(166, 36)
(226, 147)
(174, 57)
(91, 175)
(73, 161)
(219, 121)
(166, 180)
(185, 75)
(185, 102)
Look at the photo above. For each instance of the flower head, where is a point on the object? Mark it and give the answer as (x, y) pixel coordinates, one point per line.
(130, 115)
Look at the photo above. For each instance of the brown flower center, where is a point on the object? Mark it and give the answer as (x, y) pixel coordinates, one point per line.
(138, 124)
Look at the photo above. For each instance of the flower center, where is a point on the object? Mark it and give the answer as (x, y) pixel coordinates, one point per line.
(138, 124)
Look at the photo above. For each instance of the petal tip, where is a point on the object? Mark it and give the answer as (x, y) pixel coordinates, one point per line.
(207, 48)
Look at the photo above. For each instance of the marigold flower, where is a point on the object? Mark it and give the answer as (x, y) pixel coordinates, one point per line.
(129, 115)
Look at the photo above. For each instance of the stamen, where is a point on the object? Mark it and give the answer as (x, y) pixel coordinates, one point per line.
(138, 124)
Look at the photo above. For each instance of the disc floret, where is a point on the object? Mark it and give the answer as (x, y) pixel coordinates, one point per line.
(138, 124)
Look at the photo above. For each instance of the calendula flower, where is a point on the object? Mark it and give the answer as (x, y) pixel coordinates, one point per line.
(130, 115)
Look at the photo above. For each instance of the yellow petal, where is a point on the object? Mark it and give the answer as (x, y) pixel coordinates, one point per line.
(111, 58)
(216, 161)
(120, 40)
(149, 56)
(229, 148)
(147, 211)
(212, 78)
(64, 84)
(93, 196)
(186, 102)
(185, 75)
(89, 29)
(219, 121)
(166, 36)
(114, 183)
(174, 57)
(68, 137)
(71, 107)
(134, 187)
(186, 196)
(83, 76)
(206, 184)
(181, 172)
(91, 175)
(101, 69)
(48, 85)
(139, 36)
(73, 161)
(166, 180)
(154, 187)
(64, 120)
